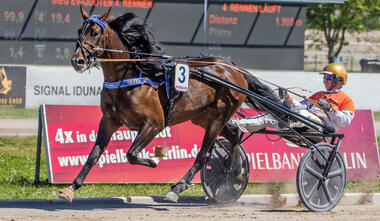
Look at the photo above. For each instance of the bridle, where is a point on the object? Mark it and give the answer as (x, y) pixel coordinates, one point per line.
(90, 60)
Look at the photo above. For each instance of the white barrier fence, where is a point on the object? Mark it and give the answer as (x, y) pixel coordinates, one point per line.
(62, 85)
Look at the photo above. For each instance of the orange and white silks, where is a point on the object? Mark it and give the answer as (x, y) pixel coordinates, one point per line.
(342, 112)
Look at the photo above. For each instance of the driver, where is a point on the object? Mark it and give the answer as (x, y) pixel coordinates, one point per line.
(336, 103)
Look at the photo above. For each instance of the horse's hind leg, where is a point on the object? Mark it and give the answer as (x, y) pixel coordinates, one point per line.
(106, 128)
(146, 134)
(232, 135)
(212, 131)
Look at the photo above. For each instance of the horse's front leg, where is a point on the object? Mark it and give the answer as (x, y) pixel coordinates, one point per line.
(107, 127)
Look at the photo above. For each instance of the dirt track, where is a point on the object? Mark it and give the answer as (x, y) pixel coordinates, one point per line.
(119, 210)
(152, 211)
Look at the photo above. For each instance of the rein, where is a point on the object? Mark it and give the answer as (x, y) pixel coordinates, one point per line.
(158, 58)
(127, 59)
(314, 102)
(131, 52)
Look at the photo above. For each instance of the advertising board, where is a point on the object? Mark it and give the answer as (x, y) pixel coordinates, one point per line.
(12, 86)
(70, 133)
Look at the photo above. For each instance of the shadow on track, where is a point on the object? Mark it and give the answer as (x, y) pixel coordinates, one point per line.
(156, 203)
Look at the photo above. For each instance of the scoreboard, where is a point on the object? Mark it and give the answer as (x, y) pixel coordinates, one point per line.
(252, 34)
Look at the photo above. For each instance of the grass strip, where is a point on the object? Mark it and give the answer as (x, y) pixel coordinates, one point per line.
(18, 113)
(376, 115)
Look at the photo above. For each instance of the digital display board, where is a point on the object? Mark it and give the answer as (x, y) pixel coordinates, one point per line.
(253, 34)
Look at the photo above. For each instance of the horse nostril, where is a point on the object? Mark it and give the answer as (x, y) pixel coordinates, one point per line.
(80, 61)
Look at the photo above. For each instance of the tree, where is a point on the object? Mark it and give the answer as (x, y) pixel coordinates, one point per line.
(336, 19)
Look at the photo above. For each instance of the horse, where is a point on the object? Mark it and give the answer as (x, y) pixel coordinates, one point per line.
(143, 107)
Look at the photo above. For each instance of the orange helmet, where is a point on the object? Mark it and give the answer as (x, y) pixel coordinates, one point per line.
(336, 69)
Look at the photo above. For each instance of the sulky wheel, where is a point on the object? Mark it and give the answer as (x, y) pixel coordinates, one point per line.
(218, 179)
(317, 192)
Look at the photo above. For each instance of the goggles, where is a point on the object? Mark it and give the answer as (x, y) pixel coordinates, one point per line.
(328, 77)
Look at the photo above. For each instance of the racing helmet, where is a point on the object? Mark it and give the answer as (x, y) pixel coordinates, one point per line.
(338, 70)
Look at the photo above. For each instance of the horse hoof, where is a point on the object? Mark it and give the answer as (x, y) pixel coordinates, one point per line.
(172, 197)
(66, 194)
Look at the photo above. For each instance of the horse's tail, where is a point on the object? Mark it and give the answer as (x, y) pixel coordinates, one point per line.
(261, 89)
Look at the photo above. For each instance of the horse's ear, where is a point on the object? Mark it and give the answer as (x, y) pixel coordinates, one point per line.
(84, 13)
(104, 17)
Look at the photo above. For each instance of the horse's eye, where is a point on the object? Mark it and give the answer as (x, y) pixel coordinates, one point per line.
(94, 33)
(79, 31)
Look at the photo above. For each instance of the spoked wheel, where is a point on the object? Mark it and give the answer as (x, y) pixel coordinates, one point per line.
(218, 179)
(317, 192)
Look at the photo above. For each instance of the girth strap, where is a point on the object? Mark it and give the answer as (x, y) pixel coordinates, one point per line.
(130, 82)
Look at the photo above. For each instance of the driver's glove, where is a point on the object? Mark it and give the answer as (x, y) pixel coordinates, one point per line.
(284, 96)
(325, 105)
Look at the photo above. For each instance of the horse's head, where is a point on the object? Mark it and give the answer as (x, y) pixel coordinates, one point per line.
(92, 34)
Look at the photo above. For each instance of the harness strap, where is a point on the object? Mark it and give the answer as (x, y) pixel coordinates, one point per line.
(130, 82)
(115, 85)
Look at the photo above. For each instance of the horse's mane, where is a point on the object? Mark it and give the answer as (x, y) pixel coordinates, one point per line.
(137, 37)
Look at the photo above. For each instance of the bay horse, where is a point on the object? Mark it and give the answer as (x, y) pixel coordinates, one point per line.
(143, 107)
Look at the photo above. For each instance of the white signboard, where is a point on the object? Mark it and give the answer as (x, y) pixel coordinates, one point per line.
(62, 85)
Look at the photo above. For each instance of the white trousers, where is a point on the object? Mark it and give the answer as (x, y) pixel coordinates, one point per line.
(252, 124)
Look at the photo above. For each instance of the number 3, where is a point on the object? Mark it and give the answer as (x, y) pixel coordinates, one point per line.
(182, 69)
